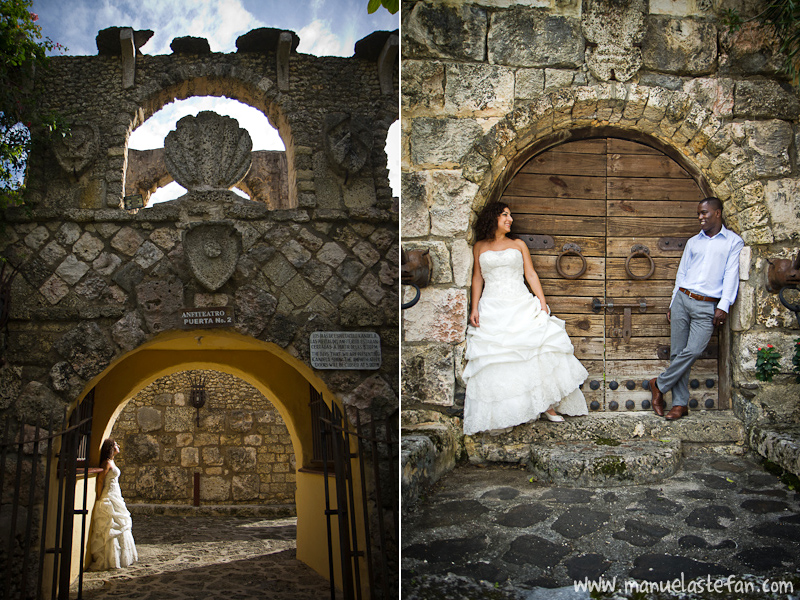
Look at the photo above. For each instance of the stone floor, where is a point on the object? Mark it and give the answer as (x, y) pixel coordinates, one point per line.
(210, 558)
(493, 532)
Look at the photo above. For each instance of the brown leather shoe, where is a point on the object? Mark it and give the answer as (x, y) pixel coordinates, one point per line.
(657, 398)
(676, 412)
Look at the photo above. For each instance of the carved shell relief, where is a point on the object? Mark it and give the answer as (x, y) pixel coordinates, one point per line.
(212, 250)
(208, 152)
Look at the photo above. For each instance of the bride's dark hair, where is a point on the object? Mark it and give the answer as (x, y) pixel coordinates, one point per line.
(105, 450)
(486, 224)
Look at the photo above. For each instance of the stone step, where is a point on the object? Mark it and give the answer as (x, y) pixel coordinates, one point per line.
(778, 442)
(605, 462)
(699, 430)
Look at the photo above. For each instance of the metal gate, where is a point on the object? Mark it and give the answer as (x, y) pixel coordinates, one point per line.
(376, 458)
(43, 529)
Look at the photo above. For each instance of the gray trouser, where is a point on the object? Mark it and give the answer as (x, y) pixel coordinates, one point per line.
(691, 326)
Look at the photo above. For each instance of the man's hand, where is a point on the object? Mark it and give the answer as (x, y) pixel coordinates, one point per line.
(719, 317)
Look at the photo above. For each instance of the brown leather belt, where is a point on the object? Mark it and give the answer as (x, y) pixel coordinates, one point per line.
(694, 296)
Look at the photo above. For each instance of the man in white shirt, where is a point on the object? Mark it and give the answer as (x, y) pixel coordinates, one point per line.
(705, 287)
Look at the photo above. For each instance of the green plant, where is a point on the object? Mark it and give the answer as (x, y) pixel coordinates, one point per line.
(767, 363)
(391, 5)
(782, 18)
(796, 360)
(23, 52)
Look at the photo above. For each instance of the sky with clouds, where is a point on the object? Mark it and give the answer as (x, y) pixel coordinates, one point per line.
(325, 28)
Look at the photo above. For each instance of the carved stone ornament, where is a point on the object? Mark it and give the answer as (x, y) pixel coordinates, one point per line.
(208, 152)
(77, 150)
(212, 250)
(348, 142)
(614, 29)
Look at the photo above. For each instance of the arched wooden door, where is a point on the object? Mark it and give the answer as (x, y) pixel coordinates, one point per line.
(622, 210)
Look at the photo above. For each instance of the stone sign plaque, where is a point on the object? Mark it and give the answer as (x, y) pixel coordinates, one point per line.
(203, 318)
(345, 350)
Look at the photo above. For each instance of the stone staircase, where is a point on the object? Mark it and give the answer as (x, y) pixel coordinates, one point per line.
(600, 449)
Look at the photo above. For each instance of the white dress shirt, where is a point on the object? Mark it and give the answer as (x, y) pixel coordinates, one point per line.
(710, 267)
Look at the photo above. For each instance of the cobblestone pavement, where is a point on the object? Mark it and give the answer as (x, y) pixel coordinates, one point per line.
(493, 533)
(210, 558)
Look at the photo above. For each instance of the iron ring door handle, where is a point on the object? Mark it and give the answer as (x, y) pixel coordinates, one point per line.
(639, 250)
(571, 250)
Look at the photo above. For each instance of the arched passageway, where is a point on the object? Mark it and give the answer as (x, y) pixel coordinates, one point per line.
(281, 378)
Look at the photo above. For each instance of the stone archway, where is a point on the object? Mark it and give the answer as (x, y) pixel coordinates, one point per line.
(706, 146)
(281, 378)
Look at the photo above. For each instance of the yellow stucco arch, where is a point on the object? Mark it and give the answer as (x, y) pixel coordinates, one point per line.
(282, 378)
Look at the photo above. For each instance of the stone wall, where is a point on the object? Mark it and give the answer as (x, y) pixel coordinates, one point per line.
(483, 81)
(96, 280)
(241, 448)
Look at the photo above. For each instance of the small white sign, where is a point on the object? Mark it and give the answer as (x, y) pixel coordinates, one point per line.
(360, 350)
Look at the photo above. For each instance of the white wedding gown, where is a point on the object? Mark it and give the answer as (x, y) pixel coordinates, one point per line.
(112, 540)
(521, 360)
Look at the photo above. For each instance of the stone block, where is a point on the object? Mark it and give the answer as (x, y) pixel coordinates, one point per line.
(127, 241)
(427, 452)
(88, 247)
(439, 316)
(714, 94)
(161, 302)
(141, 448)
(445, 31)
(743, 310)
(525, 37)
(427, 374)
(765, 99)
(782, 203)
(768, 144)
(148, 418)
(478, 90)
(214, 489)
(162, 483)
(37, 238)
(148, 254)
(529, 83)
(178, 418)
(452, 198)
(461, 258)
(54, 289)
(71, 270)
(106, 263)
(681, 46)
(423, 86)
(442, 142)
(245, 487)
(745, 261)
(69, 233)
(212, 456)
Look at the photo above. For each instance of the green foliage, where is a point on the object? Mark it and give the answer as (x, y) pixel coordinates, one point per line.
(796, 360)
(767, 363)
(783, 17)
(22, 53)
(391, 5)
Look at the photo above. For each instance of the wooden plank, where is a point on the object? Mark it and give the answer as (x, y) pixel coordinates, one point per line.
(643, 348)
(572, 287)
(653, 188)
(561, 306)
(630, 289)
(633, 226)
(545, 266)
(592, 146)
(652, 324)
(639, 370)
(567, 164)
(557, 225)
(621, 246)
(590, 246)
(652, 208)
(584, 325)
(620, 146)
(588, 348)
(561, 186)
(665, 268)
(555, 206)
(639, 165)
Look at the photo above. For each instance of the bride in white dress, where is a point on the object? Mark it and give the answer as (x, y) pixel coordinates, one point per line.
(112, 540)
(521, 362)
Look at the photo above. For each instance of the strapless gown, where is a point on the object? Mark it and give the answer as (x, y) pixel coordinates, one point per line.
(112, 540)
(521, 360)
